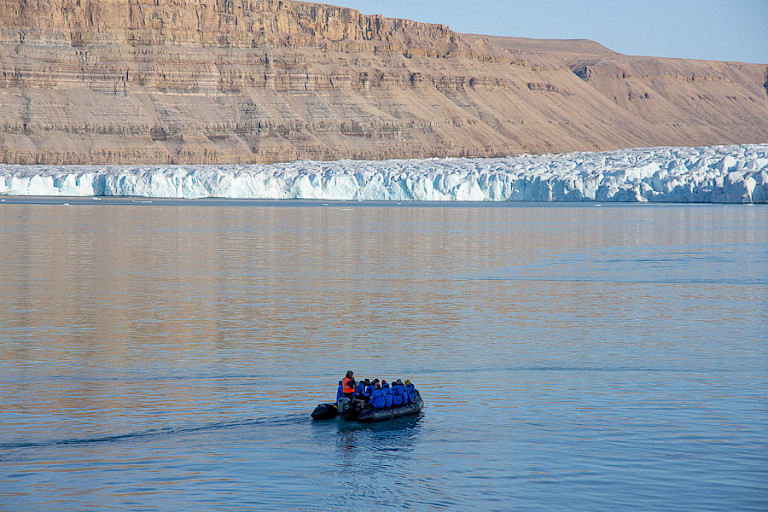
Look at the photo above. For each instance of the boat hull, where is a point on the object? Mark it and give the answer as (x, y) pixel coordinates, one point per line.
(330, 411)
(390, 413)
(325, 412)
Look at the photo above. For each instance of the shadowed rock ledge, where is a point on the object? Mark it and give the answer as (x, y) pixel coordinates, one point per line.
(239, 81)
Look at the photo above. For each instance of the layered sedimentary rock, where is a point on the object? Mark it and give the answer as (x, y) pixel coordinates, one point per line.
(239, 81)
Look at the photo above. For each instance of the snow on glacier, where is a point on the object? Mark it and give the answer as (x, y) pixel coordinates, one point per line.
(719, 174)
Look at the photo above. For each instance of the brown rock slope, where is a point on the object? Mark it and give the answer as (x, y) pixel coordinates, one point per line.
(225, 81)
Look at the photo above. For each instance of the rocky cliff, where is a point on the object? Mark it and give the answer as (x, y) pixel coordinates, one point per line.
(241, 81)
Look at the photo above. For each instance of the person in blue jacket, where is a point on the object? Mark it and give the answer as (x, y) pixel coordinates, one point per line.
(370, 386)
(378, 398)
(398, 394)
(339, 392)
(387, 392)
(366, 394)
(410, 390)
(360, 389)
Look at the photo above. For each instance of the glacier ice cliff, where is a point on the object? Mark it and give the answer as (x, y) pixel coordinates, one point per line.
(718, 174)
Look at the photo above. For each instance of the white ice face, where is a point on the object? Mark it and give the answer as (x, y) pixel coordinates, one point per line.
(732, 174)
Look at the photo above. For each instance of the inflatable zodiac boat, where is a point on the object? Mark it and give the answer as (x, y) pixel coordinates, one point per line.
(346, 409)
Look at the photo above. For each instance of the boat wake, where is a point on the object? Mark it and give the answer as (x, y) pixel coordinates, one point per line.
(158, 432)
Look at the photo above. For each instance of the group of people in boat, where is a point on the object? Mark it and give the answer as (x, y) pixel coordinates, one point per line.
(375, 393)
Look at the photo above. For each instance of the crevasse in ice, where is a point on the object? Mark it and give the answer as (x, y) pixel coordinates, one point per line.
(732, 174)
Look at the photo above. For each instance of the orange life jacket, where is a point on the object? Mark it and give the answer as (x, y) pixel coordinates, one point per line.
(346, 385)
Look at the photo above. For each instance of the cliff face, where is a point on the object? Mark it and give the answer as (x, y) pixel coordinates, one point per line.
(239, 81)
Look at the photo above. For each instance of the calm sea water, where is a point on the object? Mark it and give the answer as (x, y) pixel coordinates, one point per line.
(166, 355)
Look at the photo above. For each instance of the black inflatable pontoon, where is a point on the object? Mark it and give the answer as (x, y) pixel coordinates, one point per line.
(389, 413)
(369, 414)
(325, 412)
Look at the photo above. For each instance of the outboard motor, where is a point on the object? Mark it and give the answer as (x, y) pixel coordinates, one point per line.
(344, 405)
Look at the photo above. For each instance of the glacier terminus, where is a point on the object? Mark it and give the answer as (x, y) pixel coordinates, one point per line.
(716, 174)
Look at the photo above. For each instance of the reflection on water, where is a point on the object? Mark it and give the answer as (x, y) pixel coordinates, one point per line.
(168, 355)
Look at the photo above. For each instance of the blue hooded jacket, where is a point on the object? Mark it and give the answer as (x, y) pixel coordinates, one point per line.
(369, 389)
(339, 392)
(410, 389)
(387, 394)
(360, 389)
(378, 399)
(399, 396)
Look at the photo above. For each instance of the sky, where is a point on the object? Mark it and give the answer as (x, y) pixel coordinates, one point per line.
(735, 30)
